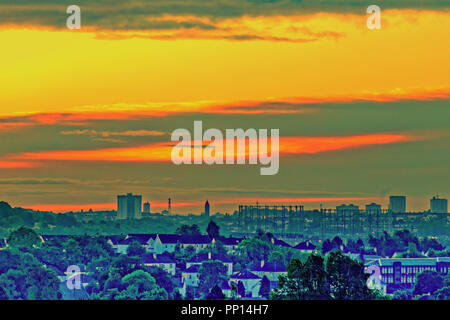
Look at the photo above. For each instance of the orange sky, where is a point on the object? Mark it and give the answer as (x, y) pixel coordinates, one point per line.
(60, 88)
(83, 72)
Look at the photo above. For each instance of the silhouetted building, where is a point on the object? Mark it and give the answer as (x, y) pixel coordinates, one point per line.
(373, 208)
(147, 207)
(438, 205)
(397, 204)
(347, 209)
(129, 206)
(169, 206)
(207, 208)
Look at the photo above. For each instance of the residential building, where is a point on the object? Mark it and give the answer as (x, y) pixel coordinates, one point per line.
(438, 205)
(251, 282)
(400, 273)
(397, 204)
(160, 260)
(129, 206)
(272, 270)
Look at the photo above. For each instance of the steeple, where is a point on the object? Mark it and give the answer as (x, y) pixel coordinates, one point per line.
(207, 208)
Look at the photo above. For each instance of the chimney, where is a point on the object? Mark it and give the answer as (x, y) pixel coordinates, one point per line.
(262, 263)
(154, 256)
(209, 255)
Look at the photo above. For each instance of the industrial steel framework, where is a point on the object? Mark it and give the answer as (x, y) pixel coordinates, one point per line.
(294, 219)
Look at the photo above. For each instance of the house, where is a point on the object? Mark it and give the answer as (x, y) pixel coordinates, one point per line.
(189, 278)
(199, 242)
(143, 239)
(165, 243)
(199, 258)
(118, 243)
(168, 242)
(272, 270)
(281, 243)
(230, 244)
(400, 273)
(50, 237)
(160, 260)
(251, 282)
(305, 246)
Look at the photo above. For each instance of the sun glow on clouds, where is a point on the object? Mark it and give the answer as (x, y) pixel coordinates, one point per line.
(340, 57)
(161, 152)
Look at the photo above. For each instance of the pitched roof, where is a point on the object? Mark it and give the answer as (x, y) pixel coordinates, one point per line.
(200, 257)
(141, 238)
(281, 243)
(169, 238)
(388, 262)
(157, 258)
(245, 275)
(305, 245)
(194, 239)
(192, 269)
(47, 237)
(229, 241)
(115, 239)
(199, 239)
(268, 267)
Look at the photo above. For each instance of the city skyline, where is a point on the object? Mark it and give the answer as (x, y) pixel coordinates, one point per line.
(436, 204)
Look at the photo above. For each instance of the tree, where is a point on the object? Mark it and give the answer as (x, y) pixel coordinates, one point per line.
(186, 230)
(164, 280)
(341, 278)
(264, 290)
(402, 295)
(347, 278)
(327, 246)
(215, 294)
(213, 229)
(211, 273)
(24, 277)
(23, 238)
(337, 242)
(138, 285)
(135, 249)
(252, 250)
(241, 289)
(443, 293)
(427, 282)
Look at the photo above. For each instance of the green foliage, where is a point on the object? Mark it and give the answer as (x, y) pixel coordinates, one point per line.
(264, 290)
(213, 229)
(427, 282)
(403, 242)
(186, 230)
(215, 294)
(138, 285)
(23, 277)
(443, 293)
(402, 295)
(135, 249)
(241, 289)
(24, 238)
(211, 273)
(340, 278)
(251, 250)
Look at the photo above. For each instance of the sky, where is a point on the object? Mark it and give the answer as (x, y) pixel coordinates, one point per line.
(88, 114)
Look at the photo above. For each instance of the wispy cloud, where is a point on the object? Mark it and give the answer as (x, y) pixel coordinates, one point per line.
(161, 152)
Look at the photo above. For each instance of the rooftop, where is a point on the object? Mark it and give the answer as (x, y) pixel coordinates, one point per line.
(245, 275)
